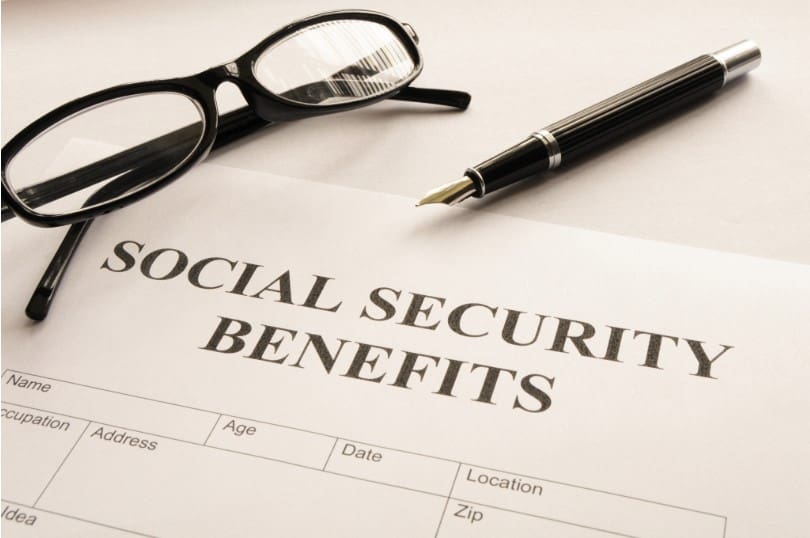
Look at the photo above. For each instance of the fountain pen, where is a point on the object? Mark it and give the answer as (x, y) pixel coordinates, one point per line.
(588, 129)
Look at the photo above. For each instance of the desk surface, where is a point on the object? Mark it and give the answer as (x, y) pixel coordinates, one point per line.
(731, 175)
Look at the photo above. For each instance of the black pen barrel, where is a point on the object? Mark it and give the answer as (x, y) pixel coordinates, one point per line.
(634, 108)
(607, 120)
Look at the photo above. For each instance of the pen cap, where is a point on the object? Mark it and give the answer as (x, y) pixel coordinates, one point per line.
(738, 59)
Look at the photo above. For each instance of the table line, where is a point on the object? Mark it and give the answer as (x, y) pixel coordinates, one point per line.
(448, 497)
(61, 464)
(318, 469)
(161, 436)
(78, 518)
(459, 463)
(231, 450)
(595, 490)
(564, 522)
(214, 427)
(91, 421)
(447, 501)
(155, 400)
(381, 483)
(412, 453)
(330, 453)
(630, 497)
(114, 392)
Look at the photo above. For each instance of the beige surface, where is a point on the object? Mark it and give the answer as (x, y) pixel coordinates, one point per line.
(731, 175)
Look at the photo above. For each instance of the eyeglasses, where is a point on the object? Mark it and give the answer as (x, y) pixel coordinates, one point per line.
(323, 64)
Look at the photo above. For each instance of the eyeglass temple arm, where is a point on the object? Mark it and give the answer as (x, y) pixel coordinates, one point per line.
(334, 85)
(431, 96)
(40, 302)
(233, 125)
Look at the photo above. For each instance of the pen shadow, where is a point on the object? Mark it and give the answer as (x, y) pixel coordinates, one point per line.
(571, 168)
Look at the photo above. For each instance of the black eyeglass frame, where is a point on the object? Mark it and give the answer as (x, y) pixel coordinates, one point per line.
(227, 128)
(201, 89)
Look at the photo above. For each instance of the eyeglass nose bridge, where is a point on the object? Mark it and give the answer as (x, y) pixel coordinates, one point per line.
(231, 68)
(215, 76)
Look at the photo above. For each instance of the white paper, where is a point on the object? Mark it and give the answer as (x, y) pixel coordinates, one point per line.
(143, 430)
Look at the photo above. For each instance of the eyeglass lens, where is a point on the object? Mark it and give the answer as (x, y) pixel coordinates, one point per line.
(335, 62)
(161, 129)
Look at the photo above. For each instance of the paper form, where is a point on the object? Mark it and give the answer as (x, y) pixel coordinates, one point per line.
(244, 354)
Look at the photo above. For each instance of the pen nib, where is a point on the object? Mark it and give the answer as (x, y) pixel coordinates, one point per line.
(450, 194)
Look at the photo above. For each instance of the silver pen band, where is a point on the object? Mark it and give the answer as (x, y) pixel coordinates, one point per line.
(738, 59)
(552, 147)
(478, 179)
